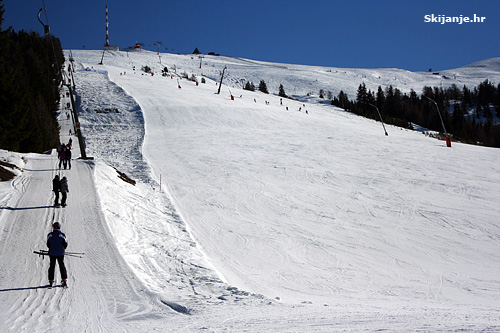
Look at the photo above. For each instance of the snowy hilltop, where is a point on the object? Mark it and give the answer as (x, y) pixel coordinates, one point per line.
(245, 211)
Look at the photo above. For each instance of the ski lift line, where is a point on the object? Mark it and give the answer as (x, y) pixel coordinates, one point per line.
(46, 28)
(46, 16)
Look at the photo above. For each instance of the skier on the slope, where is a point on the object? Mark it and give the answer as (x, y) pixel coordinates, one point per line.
(57, 243)
(64, 191)
(62, 156)
(67, 157)
(56, 187)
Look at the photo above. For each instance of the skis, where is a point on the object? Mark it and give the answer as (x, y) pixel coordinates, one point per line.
(63, 284)
(70, 254)
(43, 253)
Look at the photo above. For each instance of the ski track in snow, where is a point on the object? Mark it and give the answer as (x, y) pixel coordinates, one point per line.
(101, 286)
(266, 220)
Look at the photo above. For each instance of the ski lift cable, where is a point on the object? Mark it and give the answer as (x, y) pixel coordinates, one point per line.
(57, 68)
(46, 16)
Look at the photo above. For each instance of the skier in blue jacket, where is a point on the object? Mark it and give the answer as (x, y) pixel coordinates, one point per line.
(57, 243)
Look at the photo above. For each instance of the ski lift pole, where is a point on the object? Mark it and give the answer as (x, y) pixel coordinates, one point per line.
(71, 60)
(221, 78)
(159, 44)
(448, 141)
(102, 58)
(380, 115)
(77, 125)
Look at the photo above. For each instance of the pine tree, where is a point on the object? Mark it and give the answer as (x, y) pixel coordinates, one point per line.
(342, 101)
(497, 101)
(263, 87)
(362, 94)
(2, 11)
(249, 86)
(29, 90)
(380, 98)
(282, 91)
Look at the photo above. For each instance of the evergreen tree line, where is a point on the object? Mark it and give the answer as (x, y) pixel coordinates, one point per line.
(263, 88)
(467, 113)
(29, 90)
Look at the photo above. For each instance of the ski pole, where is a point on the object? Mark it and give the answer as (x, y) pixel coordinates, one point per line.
(74, 255)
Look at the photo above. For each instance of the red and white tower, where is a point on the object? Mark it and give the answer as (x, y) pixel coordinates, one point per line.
(107, 46)
(107, 27)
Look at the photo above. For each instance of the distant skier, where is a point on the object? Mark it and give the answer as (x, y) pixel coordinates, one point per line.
(56, 187)
(59, 148)
(64, 191)
(57, 243)
(67, 157)
(62, 155)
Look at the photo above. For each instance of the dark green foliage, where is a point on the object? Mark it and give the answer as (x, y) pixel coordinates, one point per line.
(2, 11)
(29, 91)
(249, 86)
(497, 101)
(461, 110)
(263, 87)
(342, 101)
(282, 91)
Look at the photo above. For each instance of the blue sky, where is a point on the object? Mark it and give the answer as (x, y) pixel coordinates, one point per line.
(354, 33)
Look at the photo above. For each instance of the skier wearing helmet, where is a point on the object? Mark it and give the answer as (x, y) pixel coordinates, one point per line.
(57, 243)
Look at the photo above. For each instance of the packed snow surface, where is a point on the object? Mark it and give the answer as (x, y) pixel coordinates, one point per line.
(249, 213)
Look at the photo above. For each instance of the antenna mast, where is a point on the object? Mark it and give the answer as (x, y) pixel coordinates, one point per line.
(107, 27)
(107, 46)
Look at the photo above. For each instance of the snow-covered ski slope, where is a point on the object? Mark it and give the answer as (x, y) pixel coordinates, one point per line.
(249, 216)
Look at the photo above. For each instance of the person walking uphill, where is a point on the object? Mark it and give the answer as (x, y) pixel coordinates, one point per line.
(64, 191)
(61, 151)
(57, 243)
(56, 187)
(67, 157)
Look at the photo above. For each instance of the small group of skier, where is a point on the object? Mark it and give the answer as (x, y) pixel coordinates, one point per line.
(60, 186)
(64, 154)
(56, 240)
